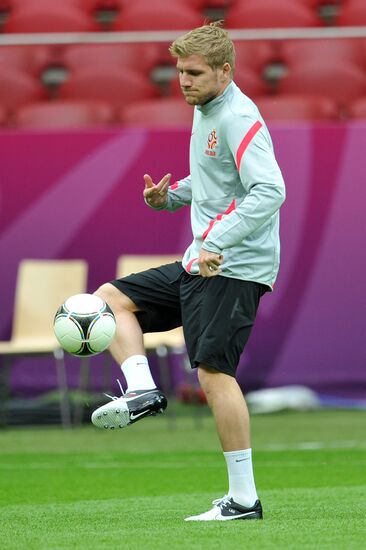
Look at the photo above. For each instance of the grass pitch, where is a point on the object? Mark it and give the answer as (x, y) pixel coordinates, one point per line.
(130, 489)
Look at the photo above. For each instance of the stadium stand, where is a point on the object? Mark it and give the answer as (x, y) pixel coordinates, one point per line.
(30, 59)
(141, 17)
(63, 114)
(357, 109)
(343, 50)
(160, 112)
(251, 83)
(264, 14)
(18, 88)
(140, 57)
(340, 81)
(352, 12)
(255, 54)
(50, 17)
(3, 116)
(106, 84)
(297, 107)
(310, 73)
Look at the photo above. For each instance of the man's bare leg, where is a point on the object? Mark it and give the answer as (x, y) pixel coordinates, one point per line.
(141, 397)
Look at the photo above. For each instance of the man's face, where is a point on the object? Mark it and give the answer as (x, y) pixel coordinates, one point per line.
(199, 82)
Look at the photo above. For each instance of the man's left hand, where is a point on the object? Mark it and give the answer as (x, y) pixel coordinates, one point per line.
(209, 263)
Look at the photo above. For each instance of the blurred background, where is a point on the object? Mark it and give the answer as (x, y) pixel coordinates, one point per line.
(90, 101)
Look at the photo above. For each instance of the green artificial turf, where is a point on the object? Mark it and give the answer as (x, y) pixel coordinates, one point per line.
(131, 489)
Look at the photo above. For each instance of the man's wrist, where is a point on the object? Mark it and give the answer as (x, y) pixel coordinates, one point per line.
(161, 207)
(212, 248)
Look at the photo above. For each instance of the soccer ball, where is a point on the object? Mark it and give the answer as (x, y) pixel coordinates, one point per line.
(84, 325)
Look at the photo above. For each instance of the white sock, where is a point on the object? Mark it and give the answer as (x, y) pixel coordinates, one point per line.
(241, 479)
(137, 372)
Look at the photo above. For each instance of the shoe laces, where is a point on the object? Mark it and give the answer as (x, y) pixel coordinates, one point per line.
(114, 397)
(220, 502)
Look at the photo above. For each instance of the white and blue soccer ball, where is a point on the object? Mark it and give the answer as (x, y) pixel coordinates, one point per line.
(84, 325)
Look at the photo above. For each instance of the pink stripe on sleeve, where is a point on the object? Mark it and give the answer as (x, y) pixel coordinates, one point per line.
(245, 142)
(190, 263)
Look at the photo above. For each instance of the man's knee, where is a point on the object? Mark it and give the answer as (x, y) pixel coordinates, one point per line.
(207, 377)
(116, 300)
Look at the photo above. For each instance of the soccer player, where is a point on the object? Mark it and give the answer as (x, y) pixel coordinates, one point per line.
(235, 190)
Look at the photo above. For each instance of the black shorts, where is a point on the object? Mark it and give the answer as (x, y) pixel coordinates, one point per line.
(217, 313)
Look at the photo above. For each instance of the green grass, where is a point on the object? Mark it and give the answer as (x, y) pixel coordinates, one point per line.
(90, 489)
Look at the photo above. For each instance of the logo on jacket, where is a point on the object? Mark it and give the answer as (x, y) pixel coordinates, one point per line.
(211, 144)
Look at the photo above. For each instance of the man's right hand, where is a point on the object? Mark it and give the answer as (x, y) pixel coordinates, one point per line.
(156, 195)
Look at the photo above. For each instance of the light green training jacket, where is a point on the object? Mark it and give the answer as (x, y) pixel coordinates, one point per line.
(235, 189)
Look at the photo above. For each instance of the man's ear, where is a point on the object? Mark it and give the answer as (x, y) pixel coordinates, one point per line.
(226, 71)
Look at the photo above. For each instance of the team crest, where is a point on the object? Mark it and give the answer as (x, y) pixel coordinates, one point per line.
(211, 144)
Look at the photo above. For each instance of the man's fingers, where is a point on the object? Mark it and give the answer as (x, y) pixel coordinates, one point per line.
(160, 188)
(148, 181)
(164, 184)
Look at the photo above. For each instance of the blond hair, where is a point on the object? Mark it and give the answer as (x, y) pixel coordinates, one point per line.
(210, 41)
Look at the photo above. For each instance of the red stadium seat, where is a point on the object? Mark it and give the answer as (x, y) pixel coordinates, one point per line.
(266, 14)
(48, 18)
(30, 59)
(140, 17)
(3, 116)
(357, 109)
(63, 114)
(352, 13)
(106, 84)
(162, 4)
(88, 6)
(141, 57)
(343, 50)
(18, 88)
(255, 54)
(341, 81)
(161, 112)
(297, 107)
(95, 5)
(248, 81)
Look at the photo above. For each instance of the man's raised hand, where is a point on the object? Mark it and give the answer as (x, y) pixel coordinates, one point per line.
(156, 195)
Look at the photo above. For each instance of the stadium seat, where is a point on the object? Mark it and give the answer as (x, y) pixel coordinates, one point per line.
(138, 17)
(140, 57)
(58, 17)
(250, 82)
(357, 109)
(160, 112)
(265, 14)
(3, 116)
(343, 50)
(162, 4)
(95, 5)
(18, 88)
(63, 114)
(105, 83)
(41, 287)
(352, 13)
(30, 59)
(341, 81)
(87, 6)
(297, 107)
(255, 54)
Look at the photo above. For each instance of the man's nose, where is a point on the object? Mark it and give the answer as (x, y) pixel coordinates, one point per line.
(185, 81)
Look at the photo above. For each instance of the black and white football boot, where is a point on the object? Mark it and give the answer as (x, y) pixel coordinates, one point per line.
(225, 509)
(129, 408)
